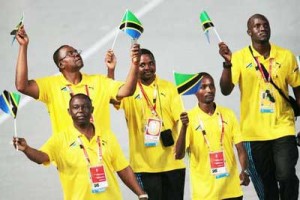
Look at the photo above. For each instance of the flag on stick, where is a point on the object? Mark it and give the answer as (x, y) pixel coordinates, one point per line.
(9, 102)
(14, 31)
(187, 84)
(131, 25)
(207, 25)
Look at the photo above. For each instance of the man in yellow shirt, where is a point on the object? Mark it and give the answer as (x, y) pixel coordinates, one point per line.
(267, 119)
(55, 91)
(152, 116)
(86, 159)
(208, 132)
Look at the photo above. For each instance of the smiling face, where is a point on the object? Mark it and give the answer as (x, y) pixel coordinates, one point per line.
(80, 109)
(69, 59)
(147, 69)
(206, 93)
(259, 29)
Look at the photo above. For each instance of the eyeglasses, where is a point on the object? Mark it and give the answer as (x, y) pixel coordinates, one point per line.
(72, 53)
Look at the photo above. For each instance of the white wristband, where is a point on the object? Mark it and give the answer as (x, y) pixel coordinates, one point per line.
(143, 196)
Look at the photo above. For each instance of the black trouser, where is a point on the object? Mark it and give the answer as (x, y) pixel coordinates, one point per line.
(275, 162)
(163, 185)
(235, 198)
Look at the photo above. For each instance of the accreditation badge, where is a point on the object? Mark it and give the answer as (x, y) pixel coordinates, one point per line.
(217, 164)
(98, 178)
(152, 131)
(267, 102)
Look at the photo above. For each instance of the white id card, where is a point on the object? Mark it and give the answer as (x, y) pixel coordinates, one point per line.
(98, 179)
(152, 131)
(217, 164)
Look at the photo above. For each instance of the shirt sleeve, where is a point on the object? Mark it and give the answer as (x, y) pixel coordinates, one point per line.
(50, 148)
(294, 73)
(44, 88)
(236, 67)
(119, 162)
(235, 128)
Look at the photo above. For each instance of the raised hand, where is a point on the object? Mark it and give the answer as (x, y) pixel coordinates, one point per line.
(225, 52)
(22, 37)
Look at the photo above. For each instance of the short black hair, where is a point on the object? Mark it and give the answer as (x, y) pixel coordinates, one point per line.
(148, 52)
(82, 96)
(256, 16)
(56, 54)
(203, 74)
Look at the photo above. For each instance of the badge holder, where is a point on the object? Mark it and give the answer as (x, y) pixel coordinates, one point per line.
(217, 164)
(98, 179)
(267, 102)
(152, 132)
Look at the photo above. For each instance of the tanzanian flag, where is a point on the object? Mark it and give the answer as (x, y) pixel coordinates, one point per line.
(187, 83)
(206, 23)
(131, 25)
(9, 102)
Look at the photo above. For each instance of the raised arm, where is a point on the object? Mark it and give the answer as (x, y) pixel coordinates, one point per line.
(180, 143)
(34, 155)
(111, 62)
(128, 88)
(243, 159)
(226, 78)
(23, 85)
(128, 177)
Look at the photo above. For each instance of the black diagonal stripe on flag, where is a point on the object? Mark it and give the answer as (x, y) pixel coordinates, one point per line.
(131, 25)
(208, 25)
(11, 102)
(189, 84)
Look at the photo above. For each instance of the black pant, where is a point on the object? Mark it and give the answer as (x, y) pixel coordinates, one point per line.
(275, 162)
(235, 198)
(163, 185)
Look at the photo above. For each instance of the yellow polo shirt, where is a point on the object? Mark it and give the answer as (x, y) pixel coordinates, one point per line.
(55, 93)
(255, 125)
(205, 186)
(64, 149)
(168, 106)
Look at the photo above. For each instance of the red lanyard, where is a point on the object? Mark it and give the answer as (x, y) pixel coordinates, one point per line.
(151, 106)
(221, 123)
(85, 152)
(266, 79)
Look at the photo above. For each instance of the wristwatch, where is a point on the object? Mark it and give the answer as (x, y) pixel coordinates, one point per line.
(246, 172)
(227, 65)
(143, 196)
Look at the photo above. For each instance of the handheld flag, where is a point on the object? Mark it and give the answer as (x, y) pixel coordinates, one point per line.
(14, 31)
(9, 102)
(187, 83)
(207, 25)
(131, 25)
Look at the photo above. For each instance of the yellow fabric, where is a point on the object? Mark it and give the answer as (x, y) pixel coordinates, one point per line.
(64, 149)
(168, 106)
(204, 185)
(254, 124)
(56, 96)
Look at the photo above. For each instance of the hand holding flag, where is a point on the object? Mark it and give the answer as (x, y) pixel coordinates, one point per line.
(207, 25)
(15, 30)
(131, 25)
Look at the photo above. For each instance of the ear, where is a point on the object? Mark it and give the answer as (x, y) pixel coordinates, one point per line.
(249, 33)
(92, 109)
(69, 111)
(60, 65)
